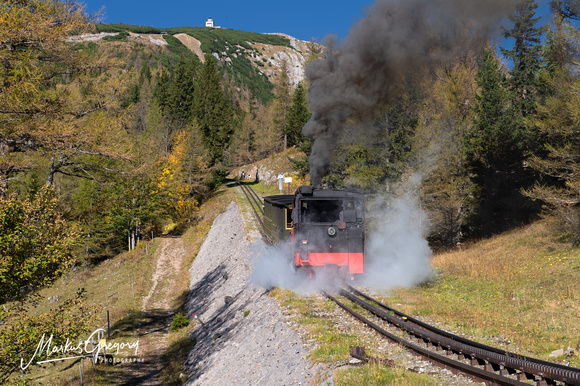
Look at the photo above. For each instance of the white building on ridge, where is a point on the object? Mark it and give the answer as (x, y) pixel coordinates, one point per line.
(209, 23)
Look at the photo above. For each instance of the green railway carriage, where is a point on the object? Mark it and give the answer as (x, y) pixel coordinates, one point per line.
(278, 218)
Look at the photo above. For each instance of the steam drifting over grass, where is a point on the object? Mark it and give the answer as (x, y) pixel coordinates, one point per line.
(397, 253)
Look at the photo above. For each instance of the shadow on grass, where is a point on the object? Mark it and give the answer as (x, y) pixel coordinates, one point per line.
(136, 369)
(172, 370)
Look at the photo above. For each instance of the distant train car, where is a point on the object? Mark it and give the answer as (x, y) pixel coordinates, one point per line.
(278, 218)
(325, 227)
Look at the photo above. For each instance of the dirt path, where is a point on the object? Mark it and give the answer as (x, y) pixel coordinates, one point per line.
(157, 313)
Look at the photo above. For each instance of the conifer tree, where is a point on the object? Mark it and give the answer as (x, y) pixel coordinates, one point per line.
(181, 92)
(569, 9)
(282, 92)
(526, 55)
(494, 154)
(212, 110)
(298, 115)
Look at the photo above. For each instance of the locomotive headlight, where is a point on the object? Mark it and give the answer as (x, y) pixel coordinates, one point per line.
(331, 231)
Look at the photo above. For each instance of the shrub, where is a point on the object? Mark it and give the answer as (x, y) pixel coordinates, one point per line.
(120, 37)
(35, 243)
(179, 321)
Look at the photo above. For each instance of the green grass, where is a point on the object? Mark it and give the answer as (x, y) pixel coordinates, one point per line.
(379, 375)
(215, 39)
(110, 286)
(310, 312)
(519, 287)
(333, 345)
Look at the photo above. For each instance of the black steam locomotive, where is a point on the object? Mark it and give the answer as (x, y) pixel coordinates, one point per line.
(324, 227)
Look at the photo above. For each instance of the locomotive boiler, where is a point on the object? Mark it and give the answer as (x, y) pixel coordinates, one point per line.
(323, 229)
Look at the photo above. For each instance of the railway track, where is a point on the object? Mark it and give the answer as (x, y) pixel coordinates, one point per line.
(481, 362)
(254, 200)
(457, 354)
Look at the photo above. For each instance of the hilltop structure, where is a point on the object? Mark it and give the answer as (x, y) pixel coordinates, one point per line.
(209, 23)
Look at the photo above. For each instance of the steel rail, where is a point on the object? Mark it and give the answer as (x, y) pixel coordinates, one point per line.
(492, 357)
(459, 338)
(509, 362)
(443, 361)
(251, 196)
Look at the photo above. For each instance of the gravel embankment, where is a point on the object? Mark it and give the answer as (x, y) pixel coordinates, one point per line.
(245, 339)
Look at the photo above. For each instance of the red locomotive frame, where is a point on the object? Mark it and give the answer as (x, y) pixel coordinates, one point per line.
(325, 227)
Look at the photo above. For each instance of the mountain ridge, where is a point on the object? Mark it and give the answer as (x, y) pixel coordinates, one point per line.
(260, 55)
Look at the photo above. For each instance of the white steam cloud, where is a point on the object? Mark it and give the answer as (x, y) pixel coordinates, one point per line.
(273, 268)
(397, 253)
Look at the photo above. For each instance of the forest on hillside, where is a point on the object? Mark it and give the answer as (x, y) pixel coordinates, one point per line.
(103, 146)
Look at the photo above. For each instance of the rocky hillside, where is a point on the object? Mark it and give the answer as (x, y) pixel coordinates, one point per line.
(251, 60)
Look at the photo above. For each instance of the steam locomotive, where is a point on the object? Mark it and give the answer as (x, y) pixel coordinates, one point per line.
(325, 229)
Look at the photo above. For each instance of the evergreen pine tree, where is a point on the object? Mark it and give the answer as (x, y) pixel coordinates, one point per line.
(526, 55)
(569, 9)
(181, 91)
(212, 110)
(495, 154)
(161, 91)
(283, 99)
(298, 115)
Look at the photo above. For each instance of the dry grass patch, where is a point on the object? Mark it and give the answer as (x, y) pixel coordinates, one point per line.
(518, 289)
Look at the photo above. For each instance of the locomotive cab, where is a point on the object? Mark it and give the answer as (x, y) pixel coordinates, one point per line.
(328, 229)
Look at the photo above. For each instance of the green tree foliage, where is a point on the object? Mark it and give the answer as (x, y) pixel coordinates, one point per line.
(557, 122)
(22, 331)
(566, 8)
(138, 29)
(298, 115)
(36, 243)
(380, 152)
(236, 52)
(162, 89)
(525, 55)
(495, 152)
(446, 118)
(282, 92)
(182, 91)
(213, 111)
(557, 125)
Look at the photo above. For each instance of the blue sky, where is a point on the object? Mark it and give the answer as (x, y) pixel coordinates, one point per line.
(301, 19)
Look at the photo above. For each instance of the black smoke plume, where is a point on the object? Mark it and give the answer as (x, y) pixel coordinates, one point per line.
(398, 36)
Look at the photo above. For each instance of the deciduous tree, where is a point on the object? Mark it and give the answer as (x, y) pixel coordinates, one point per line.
(51, 95)
(35, 243)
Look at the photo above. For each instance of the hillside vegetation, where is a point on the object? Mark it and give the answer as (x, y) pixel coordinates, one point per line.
(245, 65)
